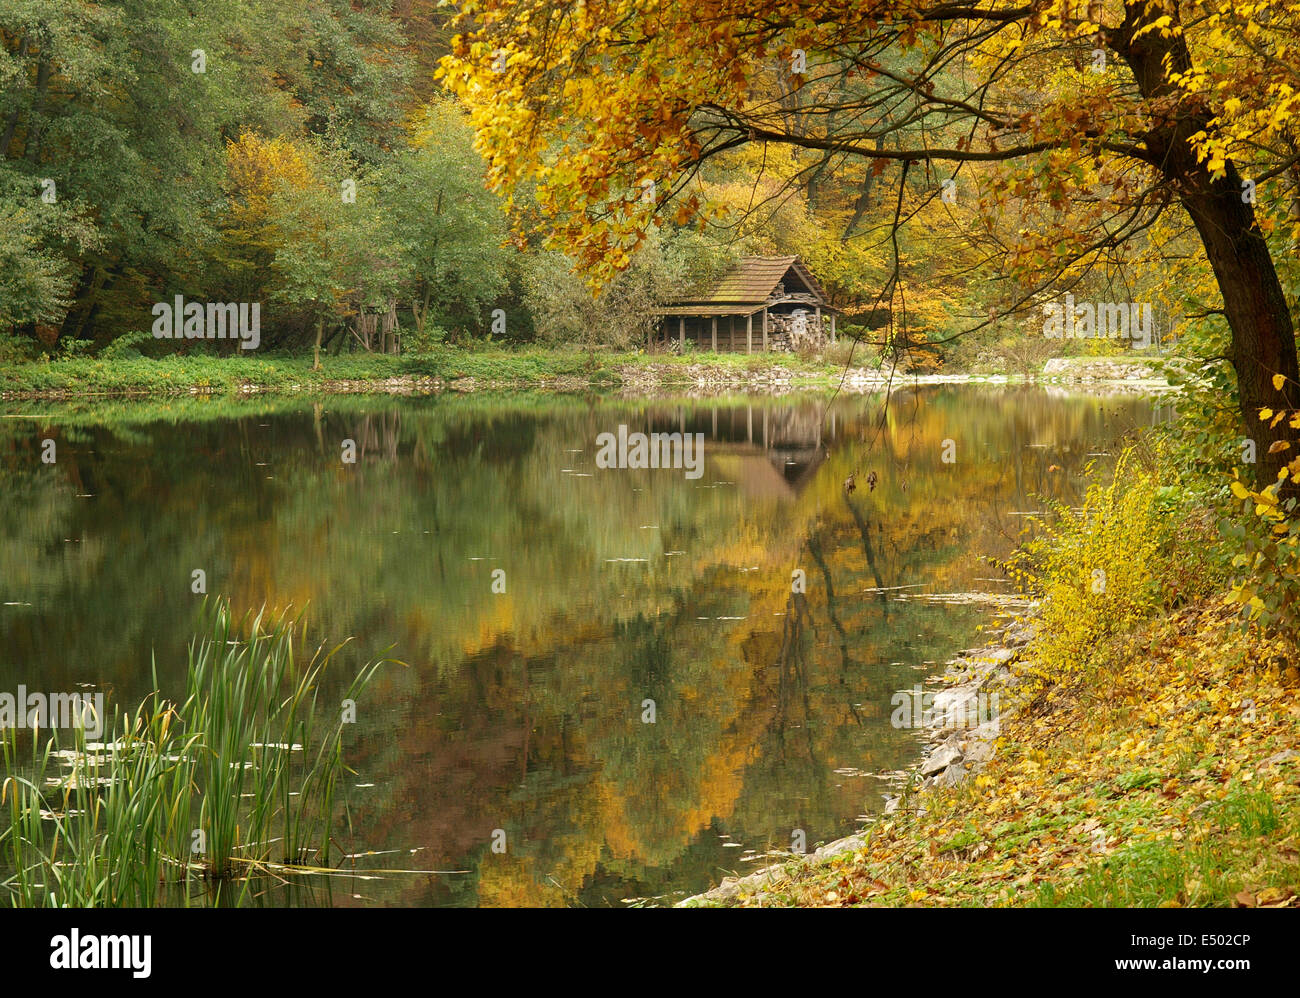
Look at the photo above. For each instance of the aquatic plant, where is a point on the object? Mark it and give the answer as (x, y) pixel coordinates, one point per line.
(237, 778)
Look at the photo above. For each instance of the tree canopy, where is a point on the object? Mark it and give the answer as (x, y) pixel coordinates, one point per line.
(1090, 122)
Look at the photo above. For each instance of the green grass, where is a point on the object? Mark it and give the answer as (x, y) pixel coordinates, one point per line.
(1152, 874)
(183, 375)
(128, 414)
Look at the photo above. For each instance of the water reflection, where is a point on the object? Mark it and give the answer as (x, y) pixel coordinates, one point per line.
(546, 606)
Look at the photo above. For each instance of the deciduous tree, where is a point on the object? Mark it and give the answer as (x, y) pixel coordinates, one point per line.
(1193, 112)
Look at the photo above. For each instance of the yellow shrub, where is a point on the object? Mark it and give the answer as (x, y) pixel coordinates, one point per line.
(1102, 570)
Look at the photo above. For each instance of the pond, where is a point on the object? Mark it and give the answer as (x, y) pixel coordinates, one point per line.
(633, 680)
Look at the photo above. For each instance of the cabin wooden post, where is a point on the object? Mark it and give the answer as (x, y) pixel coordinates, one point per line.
(749, 423)
(774, 288)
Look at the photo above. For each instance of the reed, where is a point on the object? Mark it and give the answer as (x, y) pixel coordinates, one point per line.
(240, 774)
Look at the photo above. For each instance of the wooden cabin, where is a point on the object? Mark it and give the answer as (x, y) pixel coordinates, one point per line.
(761, 302)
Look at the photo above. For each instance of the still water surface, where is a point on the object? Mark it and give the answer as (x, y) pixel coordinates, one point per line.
(525, 710)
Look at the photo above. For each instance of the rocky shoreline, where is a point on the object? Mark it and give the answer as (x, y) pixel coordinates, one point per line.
(955, 749)
(649, 377)
(639, 379)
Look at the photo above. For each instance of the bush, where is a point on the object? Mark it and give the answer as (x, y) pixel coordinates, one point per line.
(863, 354)
(1136, 549)
(431, 338)
(128, 345)
(14, 350)
(69, 348)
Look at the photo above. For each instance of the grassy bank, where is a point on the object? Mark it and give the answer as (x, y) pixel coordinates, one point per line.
(446, 367)
(487, 368)
(1150, 755)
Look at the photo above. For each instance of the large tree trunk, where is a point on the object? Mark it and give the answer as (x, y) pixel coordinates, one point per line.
(1263, 337)
(104, 282)
(82, 299)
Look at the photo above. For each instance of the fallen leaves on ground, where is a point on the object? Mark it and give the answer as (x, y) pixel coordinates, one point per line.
(1163, 782)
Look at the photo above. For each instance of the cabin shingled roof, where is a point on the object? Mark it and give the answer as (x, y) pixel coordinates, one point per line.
(745, 287)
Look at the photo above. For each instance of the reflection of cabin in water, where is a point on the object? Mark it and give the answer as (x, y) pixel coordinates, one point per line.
(773, 303)
(766, 451)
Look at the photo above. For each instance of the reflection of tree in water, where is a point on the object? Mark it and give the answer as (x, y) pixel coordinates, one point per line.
(660, 780)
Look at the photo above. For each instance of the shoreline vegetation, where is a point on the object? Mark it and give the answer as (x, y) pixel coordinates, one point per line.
(458, 370)
(226, 790)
